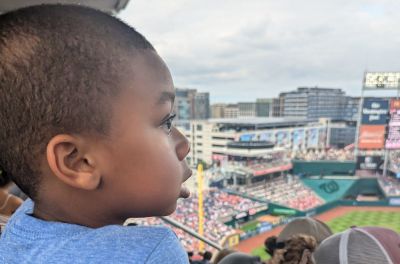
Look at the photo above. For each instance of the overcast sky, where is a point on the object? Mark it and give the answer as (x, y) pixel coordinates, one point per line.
(239, 50)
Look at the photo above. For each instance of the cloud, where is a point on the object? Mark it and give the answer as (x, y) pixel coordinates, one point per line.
(240, 50)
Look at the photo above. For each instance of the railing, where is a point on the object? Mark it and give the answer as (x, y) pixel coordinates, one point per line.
(176, 224)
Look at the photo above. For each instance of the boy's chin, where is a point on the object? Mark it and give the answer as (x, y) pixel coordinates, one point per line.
(168, 210)
(165, 211)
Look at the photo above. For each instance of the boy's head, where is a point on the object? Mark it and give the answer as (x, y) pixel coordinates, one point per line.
(85, 102)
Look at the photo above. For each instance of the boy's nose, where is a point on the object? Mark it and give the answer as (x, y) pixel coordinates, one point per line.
(182, 146)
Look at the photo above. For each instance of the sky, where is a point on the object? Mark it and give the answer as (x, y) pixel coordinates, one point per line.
(242, 50)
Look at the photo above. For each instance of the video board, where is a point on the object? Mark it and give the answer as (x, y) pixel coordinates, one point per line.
(374, 116)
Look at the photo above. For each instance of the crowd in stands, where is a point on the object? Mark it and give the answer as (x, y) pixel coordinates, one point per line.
(328, 154)
(217, 205)
(270, 159)
(285, 190)
(390, 185)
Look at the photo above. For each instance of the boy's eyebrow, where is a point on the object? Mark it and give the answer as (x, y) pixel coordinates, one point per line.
(166, 97)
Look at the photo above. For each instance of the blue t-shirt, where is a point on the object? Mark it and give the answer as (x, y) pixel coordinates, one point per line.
(27, 239)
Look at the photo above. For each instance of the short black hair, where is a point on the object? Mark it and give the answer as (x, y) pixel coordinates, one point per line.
(207, 255)
(59, 67)
(4, 179)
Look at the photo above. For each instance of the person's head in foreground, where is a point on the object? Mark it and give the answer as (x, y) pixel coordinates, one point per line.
(307, 226)
(271, 245)
(207, 256)
(86, 108)
(240, 258)
(297, 249)
(360, 245)
(302, 225)
(222, 254)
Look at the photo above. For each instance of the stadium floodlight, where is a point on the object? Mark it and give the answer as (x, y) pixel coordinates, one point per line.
(109, 6)
(381, 80)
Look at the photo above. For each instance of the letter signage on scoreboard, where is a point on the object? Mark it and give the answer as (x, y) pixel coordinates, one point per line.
(375, 111)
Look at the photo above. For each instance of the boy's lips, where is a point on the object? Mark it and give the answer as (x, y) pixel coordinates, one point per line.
(185, 193)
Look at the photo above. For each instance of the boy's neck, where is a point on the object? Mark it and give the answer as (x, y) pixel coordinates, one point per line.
(71, 215)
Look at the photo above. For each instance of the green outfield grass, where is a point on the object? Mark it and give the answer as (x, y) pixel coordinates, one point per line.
(250, 226)
(356, 218)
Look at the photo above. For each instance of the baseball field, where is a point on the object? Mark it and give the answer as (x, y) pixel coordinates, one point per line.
(338, 219)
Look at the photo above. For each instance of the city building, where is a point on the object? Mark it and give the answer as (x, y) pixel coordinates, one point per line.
(277, 107)
(184, 103)
(314, 103)
(218, 110)
(247, 109)
(190, 104)
(264, 107)
(231, 111)
(201, 106)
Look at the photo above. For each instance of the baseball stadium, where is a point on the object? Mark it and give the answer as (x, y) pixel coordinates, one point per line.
(314, 184)
(252, 177)
(255, 187)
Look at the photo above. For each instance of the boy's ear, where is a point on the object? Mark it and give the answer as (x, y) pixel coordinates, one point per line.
(68, 159)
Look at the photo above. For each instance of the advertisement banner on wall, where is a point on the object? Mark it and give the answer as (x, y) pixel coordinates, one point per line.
(369, 162)
(312, 138)
(282, 138)
(298, 138)
(248, 137)
(393, 138)
(375, 111)
(268, 136)
(371, 137)
(394, 104)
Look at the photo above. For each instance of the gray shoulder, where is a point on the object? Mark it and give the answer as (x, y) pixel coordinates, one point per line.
(123, 243)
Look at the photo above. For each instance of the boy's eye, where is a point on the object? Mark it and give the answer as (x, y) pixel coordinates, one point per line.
(166, 125)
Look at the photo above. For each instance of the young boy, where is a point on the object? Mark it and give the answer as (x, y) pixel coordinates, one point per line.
(85, 105)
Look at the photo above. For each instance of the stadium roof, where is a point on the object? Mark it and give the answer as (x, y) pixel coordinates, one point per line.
(256, 120)
(109, 6)
(262, 122)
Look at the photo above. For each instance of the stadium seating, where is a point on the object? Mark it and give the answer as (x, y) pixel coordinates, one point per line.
(285, 190)
(217, 205)
(389, 185)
